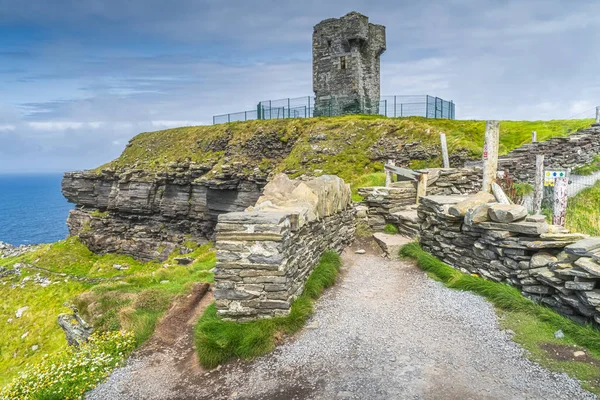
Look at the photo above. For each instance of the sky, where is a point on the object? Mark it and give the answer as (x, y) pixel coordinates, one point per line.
(79, 78)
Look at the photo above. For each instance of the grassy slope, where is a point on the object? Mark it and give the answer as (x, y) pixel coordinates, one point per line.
(134, 302)
(534, 325)
(583, 211)
(343, 151)
(218, 341)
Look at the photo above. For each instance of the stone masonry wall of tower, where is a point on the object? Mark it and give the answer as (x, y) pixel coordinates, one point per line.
(346, 65)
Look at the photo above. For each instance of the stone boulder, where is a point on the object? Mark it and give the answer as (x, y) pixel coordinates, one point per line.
(542, 259)
(76, 329)
(478, 214)
(507, 213)
(474, 200)
(311, 200)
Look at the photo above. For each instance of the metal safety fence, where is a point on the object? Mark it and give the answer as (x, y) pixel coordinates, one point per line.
(304, 107)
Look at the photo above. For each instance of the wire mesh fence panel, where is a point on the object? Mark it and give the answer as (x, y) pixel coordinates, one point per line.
(305, 107)
(577, 183)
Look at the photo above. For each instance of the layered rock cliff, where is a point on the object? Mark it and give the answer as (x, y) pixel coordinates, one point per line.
(148, 215)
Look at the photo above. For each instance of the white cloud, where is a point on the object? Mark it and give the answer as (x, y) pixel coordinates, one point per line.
(7, 127)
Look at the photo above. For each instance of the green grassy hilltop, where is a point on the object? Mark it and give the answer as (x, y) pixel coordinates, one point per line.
(338, 145)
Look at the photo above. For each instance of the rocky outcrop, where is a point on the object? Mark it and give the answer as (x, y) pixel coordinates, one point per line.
(147, 215)
(76, 329)
(265, 254)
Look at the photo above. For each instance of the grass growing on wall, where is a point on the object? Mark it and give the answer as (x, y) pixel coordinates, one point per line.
(218, 341)
(534, 325)
(590, 168)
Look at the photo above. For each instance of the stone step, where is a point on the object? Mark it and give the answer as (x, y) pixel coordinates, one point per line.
(407, 215)
(391, 244)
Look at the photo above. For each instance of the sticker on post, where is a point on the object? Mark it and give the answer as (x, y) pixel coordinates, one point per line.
(551, 175)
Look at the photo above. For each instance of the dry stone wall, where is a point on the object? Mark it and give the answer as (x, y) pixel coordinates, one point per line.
(575, 150)
(265, 254)
(546, 263)
(397, 204)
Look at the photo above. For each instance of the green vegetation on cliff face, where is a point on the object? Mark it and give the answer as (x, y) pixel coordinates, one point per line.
(345, 146)
(124, 294)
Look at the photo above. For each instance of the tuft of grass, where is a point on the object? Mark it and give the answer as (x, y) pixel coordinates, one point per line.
(391, 229)
(218, 341)
(363, 230)
(99, 214)
(514, 308)
(590, 168)
(522, 189)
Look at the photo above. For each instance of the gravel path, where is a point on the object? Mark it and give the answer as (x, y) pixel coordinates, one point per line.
(385, 331)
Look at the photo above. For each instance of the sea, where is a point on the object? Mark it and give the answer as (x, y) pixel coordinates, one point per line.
(32, 209)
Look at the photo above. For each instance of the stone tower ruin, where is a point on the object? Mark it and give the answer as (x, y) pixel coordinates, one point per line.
(346, 54)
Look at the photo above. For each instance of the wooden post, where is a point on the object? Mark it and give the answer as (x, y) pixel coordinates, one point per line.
(490, 154)
(560, 200)
(598, 114)
(422, 186)
(538, 190)
(533, 137)
(389, 175)
(444, 150)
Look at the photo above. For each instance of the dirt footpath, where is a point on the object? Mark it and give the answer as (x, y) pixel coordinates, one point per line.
(385, 331)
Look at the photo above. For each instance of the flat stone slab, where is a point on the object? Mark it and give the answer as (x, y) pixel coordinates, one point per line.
(584, 247)
(589, 265)
(564, 236)
(391, 244)
(528, 228)
(407, 215)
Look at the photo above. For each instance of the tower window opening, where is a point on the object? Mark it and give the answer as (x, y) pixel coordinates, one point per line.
(343, 62)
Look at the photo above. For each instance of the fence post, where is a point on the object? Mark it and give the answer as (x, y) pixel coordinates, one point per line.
(426, 106)
(228, 117)
(598, 115)
(288, 107)
(401, 104)
(538, 191)
(421, 186)
(308, 105)
(490, 154)
(561, 185)
(436, 107)
(214, 123)
(385, 107)
(444, 150)
(533, 136)
(394, 106)
(388, 174)
(245, 115)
